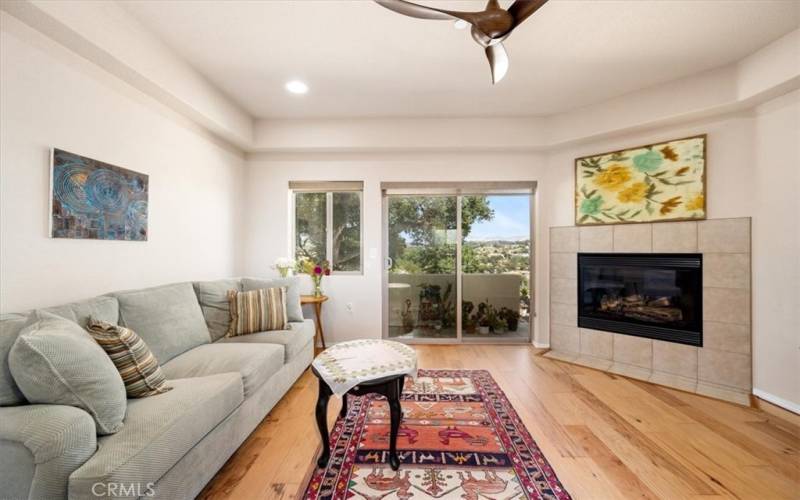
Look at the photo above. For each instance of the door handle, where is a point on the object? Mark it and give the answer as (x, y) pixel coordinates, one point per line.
(389, 263)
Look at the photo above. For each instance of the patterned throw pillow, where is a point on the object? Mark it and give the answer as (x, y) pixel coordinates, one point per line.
(257, 311)
(138, 367)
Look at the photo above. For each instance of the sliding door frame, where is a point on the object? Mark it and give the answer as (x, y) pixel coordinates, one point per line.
(459, 190)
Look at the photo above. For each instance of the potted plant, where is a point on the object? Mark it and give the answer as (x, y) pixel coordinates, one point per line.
(407, 317)
(283, 265)
(511, 318)
(484, 317)
(470, 320)
(484, 324)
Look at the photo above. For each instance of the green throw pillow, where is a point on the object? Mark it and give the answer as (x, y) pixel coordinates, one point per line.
(55, 361)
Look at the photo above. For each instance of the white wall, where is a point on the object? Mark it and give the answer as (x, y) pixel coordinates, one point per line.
(752, 172)
(50, 97)
(776, 250)
(268, 217)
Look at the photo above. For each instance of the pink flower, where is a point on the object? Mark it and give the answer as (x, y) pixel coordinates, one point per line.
(317, 270)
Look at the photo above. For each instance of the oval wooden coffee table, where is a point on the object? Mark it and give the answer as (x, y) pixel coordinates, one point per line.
(361, 367)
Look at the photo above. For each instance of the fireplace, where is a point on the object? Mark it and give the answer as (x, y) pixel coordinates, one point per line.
(658, 296)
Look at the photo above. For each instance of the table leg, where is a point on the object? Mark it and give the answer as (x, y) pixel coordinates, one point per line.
(318, 315)
(322, 422)
(393, 395)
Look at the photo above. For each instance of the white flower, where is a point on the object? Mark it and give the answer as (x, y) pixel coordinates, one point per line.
(283, 263)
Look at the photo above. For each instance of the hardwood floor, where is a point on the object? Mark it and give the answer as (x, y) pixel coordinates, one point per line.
(606, 436)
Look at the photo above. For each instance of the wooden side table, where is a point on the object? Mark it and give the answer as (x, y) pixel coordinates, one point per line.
(317, 303)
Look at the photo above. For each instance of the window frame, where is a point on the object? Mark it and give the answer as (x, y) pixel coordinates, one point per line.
(328, 224)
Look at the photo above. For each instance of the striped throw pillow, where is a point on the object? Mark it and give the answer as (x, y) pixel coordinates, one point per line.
(257, 311)
(139, 369)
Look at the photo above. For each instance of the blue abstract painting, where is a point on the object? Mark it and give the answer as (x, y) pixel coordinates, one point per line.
(95, 200)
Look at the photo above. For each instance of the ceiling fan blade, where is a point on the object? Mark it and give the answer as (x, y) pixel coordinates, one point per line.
(498, 61)
(522, 9)
(422, 12)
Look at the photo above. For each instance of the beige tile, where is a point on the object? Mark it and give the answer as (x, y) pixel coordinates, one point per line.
(564, 338)
(675, 237)
(563, 239)
(727, 305)
(671, 380)
(631, 350)
(728, 369)
(724, 235)
(726, 337)
(564, 314)
(564, 265)
(596, 239)
(676, 359)
(726, 270)
(596, 343)
(592, 362)
(564, 290)
(631, 371)
(569, 357)
(731, 394)
(633, 238)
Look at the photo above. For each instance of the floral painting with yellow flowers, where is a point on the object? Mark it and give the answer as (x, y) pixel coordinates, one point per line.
(652, 183)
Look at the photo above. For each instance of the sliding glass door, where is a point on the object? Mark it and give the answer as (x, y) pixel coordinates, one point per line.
(458, 265)
(422, 240)
(495, 266)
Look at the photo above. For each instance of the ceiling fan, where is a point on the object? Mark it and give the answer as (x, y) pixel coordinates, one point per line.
(489, 27)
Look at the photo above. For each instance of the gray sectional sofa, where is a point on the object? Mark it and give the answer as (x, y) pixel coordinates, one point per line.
(170, 444)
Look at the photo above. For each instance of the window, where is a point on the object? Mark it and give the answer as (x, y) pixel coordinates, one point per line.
(327, 223)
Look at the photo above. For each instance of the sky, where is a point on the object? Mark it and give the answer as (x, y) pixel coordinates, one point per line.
(512, 219)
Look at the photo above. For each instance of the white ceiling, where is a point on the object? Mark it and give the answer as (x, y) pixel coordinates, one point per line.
(362, 60)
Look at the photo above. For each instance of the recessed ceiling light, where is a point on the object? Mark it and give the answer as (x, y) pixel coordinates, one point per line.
(297, 87)
(460, 24)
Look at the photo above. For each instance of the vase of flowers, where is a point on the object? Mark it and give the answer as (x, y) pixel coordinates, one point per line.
(283, 265)
(317, 271)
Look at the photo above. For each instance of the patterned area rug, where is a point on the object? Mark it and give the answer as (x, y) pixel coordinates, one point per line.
(460, 438)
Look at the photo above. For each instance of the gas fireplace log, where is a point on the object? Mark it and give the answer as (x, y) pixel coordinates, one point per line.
(658, 314)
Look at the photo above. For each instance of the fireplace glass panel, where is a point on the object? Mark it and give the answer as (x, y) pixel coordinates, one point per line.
(650, 295)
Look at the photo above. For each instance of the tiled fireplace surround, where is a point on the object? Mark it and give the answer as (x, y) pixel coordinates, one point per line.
(722, 367)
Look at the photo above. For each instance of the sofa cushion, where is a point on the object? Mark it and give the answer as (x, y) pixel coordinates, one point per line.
(40, 446)
(293, 340)
(292, 284)
(55, 361)
(104, 308)
(158, 432)
(213, 299)
(167, 317)
(255, 363)
(10, 326)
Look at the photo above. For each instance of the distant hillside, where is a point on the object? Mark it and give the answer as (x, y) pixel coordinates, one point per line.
(498, 239)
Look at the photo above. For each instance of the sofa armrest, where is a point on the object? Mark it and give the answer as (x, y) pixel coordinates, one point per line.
(40, 446)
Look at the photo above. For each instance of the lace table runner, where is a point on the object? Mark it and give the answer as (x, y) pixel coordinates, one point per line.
(348, 364)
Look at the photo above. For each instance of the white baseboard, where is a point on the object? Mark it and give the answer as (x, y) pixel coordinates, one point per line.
(786, 405)
(541, 346)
